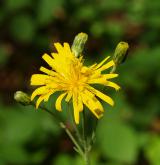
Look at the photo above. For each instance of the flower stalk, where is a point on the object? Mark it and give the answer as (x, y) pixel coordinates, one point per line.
(85, 142)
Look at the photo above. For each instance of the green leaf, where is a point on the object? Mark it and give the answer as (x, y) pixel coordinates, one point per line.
(153, 150)
(117, 141)
(13, 153)
(38, 157)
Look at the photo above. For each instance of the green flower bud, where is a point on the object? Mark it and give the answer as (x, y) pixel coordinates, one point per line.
(120, 53)
(78, 43)
(22, 98)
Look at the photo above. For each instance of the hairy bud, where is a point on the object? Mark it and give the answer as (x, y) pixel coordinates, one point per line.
(78, 43)
(22, 98)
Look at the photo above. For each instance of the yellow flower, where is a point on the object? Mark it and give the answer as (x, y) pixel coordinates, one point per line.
(68, 75)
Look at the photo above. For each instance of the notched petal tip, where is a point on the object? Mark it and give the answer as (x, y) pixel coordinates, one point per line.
(112, 104)
(98, 113)
(76, 121)
(58, 47)
(118, 88)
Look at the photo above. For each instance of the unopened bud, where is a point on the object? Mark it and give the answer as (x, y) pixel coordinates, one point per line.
(120, 53)
(22, 98)
(78, 43)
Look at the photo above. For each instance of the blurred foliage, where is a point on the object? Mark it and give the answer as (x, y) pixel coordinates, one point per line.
(129, 132)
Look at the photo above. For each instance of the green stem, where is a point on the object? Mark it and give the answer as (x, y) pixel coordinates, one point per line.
(63, 126)
(78, 148)
(85, 143)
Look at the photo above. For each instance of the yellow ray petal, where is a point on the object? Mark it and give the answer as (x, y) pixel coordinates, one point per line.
(58, 102)
(47, 71)
(93, 104)
(93, 66)
(39, 100)
(49, 60)
(49, 94)
(54, 76)
(106, 66)
(77, 106)
(67, 49)
(102, 95)
(110, 75)
(69, 96)
(80, 103)
(59, 48)
(112, 84)
(105, 82)
(39, 91)
(97, 81)
(39, 79)
(54, 55)
(102, 62)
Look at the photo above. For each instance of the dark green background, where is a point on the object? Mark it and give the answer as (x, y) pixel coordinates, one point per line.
(129, 133)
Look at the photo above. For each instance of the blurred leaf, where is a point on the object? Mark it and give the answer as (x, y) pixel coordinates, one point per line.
(4, 54)
(153, 20)
(38, 157)
(93, 156)
(45, 121)
(117, 141)
(13, 153)
(115, 30)
(22, 125)
(143, 139)
(122, 110)
(16, 4)
(113, 163)
(86, 12)
(136, 12)
(46, 10)
(23, 28)
(158, 81)
(111, 5)
(22, 128)
(153, 150)
(76, 160)
(140, 65)
(63, 159)
(2, 14)
(98, 28)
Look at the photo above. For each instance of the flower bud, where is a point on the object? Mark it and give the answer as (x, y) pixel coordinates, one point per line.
(78, 43)
(120, 53)
(22, 98)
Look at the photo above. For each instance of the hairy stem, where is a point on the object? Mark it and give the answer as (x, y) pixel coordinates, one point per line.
(63, 126)
(85, 143)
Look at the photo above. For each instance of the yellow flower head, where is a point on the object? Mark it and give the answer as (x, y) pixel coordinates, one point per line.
(68, 75)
